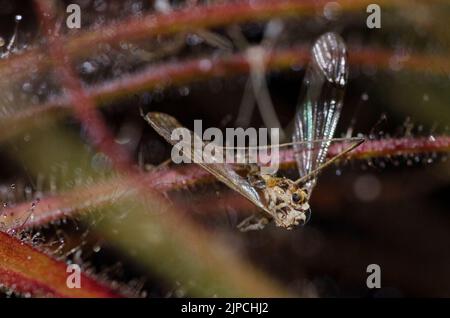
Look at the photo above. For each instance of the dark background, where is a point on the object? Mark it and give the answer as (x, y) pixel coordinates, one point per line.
(393, 212)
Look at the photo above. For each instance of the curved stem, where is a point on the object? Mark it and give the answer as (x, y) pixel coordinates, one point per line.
(151, 25)
(83, 199)
(28, 271)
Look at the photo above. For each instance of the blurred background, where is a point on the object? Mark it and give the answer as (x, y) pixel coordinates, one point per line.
(391, 210)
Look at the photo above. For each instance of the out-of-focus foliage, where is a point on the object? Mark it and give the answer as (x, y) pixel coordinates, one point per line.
(392, 211)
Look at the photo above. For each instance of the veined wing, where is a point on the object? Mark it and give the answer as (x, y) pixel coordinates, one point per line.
(165, 124)
(320, 103)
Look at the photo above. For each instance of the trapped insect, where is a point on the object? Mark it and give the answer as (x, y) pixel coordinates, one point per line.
(283, 200)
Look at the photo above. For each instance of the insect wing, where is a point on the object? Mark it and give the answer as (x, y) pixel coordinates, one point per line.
(320, 103)
(165, 124)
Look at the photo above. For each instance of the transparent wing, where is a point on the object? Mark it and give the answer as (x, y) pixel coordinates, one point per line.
(165, 124)
(320, 103)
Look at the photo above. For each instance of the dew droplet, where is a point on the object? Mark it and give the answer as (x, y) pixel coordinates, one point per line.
(100, 161)
(367, 187)
(205, 65)
(136, 8)
(332, 10)
(27, 87)
(100, 5)
(184, 91)
(193, 39)
(162, 6)
(88, 67)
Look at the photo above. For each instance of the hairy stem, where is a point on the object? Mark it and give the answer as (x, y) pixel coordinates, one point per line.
(27, 271)
(84, 199)
(205, 16)
(193, 70)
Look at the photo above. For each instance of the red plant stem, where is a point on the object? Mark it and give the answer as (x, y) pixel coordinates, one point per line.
(385, 148)
(168, 179)
(396, 147)
(192, 70)
(23, 268)
(166, 74)
(205, 16)
(84, 106)
(184, 72)
(191, 237)
(29, 271)
(13, 270)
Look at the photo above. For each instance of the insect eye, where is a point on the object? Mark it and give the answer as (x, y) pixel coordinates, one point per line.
(296, 197)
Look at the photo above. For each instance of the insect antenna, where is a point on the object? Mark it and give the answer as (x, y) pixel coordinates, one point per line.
(312, 174)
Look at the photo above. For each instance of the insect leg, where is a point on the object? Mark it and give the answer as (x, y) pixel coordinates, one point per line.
(254, 222)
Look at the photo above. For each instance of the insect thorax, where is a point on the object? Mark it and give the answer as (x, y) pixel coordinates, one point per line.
(287, 202)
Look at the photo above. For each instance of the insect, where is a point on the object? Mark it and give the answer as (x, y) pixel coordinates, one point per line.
(281, 199)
